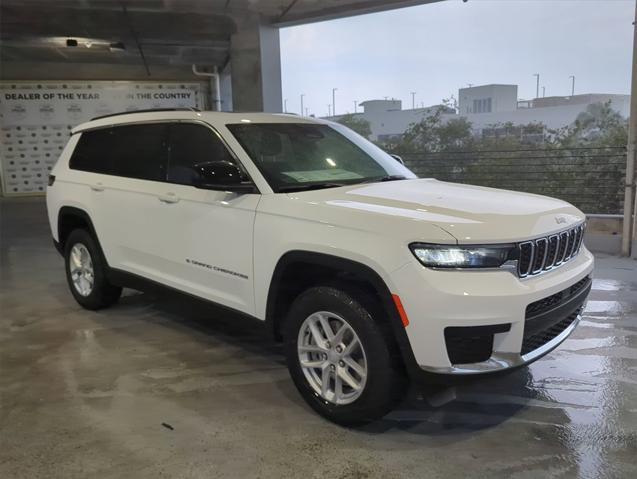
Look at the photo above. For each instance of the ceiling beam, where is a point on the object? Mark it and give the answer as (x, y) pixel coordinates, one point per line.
(300, 16)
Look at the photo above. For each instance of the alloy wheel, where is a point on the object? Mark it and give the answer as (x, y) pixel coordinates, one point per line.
(332, 357)
(81, 269)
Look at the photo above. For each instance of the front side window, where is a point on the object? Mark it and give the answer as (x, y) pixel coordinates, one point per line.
(133, 151)
(194, 152)
(297, 156)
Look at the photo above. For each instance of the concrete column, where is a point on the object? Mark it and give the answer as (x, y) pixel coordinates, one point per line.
(255, 62)
(631, 157)
(225, 82)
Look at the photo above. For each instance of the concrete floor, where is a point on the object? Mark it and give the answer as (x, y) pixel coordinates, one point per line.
(151, 389)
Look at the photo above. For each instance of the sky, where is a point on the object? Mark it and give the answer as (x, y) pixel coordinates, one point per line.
(437, 48)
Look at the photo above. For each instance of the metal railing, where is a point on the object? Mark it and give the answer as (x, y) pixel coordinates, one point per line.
(590, 178)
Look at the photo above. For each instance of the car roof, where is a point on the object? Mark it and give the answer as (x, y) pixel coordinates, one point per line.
(213, 117)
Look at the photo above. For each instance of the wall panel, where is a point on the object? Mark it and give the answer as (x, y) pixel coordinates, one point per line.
(36, 119)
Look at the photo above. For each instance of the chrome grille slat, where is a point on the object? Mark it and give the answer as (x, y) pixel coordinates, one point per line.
(575, 241)
(580, 237)
(571, 244)
(545, 242)
(543, 254)
(553, 246)
(541, 248)
(563, 246)
(524, 264)
(567, 250)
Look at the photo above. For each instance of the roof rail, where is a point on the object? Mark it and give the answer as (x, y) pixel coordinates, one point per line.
(151, 110)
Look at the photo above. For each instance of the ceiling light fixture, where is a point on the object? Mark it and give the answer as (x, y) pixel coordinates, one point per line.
(117, 47)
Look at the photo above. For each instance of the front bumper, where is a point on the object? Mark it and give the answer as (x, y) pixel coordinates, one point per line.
(437, 300)
(500, 360)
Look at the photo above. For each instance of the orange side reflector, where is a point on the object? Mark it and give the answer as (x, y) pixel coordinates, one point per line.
(401, 310)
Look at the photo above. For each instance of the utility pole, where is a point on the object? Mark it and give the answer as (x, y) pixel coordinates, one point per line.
(543, 91)
(413, 100)
(572, 77)
(302, 95)
(285, 105)
(329, 110)
(537, 85)
(629, 230)
(307, 111)
(355, 104)
(334, 101)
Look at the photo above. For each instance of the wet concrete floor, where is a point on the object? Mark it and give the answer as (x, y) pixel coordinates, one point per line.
(150, 388)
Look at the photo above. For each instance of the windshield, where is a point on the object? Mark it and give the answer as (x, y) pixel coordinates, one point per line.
(298, 156)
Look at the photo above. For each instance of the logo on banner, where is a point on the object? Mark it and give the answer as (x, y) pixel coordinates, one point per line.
(19, 112)
(74, 111)
(46, 111)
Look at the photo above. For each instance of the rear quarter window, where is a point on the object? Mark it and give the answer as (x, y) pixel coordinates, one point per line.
(132, 151)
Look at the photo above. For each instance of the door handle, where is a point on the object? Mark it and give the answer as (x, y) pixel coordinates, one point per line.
(169, 198)
(97, 186)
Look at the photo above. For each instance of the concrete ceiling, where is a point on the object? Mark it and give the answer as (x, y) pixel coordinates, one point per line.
(168, 32)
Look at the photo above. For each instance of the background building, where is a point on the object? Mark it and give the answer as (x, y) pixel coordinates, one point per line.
(486, 107)
(487, 99)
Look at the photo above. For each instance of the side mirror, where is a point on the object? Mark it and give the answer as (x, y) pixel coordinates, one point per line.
(223, 175)
(397, 158)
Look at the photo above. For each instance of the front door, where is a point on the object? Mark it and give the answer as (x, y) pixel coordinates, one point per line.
(205, 236)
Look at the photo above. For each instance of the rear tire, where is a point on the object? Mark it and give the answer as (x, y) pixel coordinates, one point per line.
(86, 272)
(320, 358)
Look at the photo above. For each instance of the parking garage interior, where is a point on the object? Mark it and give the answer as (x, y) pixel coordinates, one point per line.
(149, 388)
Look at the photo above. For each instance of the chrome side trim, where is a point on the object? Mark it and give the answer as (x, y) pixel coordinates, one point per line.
(169, 121)
(503, 361)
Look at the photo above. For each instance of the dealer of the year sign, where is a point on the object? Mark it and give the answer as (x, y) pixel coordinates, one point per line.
(37, 118)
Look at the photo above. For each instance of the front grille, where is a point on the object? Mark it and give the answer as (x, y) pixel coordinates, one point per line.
(532, 342)
(546, 318)
(545, 304)
(543, 254)
(471, 344)
(578, 286)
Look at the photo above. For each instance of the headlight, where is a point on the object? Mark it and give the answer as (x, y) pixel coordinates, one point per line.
(450, 256)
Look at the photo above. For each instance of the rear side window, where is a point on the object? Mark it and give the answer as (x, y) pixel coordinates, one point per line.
(192, 147)
(133, 151)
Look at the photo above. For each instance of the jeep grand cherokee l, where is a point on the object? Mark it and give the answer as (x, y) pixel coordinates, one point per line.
(369, 275)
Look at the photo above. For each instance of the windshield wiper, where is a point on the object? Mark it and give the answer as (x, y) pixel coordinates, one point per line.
(385, 178)
(307, 187)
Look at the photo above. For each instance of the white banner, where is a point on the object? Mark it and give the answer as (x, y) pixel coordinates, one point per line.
(36, 119)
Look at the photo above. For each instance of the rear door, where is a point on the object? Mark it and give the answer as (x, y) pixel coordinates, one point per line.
(127, 166)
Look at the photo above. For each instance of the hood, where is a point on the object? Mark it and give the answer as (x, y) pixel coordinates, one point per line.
(471, 214)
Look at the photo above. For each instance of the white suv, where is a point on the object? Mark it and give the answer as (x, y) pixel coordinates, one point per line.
(368, 274)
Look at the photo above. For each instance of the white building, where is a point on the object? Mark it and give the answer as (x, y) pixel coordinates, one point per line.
(487, 99)
(388, 119)
(485, 107)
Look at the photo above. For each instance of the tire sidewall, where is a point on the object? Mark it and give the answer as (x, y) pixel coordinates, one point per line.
(95, 299)
(379, 371)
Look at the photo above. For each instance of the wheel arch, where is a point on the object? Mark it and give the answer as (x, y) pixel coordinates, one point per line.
(297, 270)
(70, 218)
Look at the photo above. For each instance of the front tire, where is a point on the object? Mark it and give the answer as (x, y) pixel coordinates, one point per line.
(340, 358)
(86, 272)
